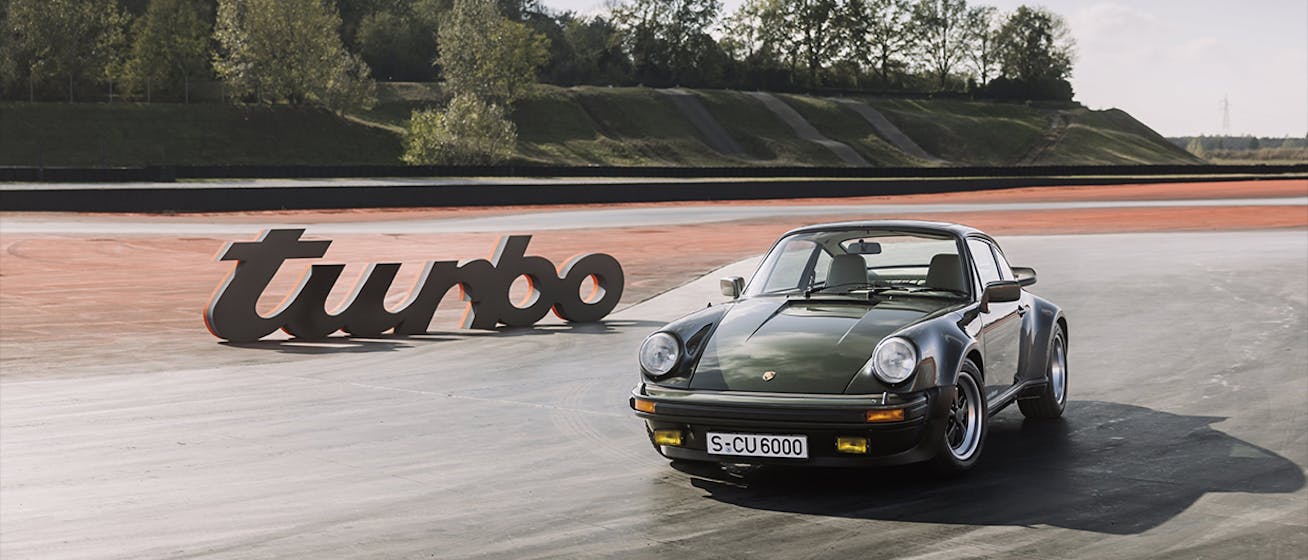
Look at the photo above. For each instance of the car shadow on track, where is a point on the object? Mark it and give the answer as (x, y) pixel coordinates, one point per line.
(349, 344)
(600, 327)
(1107, 467)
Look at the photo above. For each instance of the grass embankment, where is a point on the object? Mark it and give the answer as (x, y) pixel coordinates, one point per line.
(132, 134)
(987, 133)
(606, 126)
(967, 132)
(1111, 137)
(762, 134)
(841, 124)
(575, 126)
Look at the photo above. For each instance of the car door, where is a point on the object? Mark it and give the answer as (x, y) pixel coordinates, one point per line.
(1024, 326)
(1001, 326)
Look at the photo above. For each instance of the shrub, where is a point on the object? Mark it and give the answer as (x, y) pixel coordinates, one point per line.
(468, 132)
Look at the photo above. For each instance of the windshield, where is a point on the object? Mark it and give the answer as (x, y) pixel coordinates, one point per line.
(862, 261)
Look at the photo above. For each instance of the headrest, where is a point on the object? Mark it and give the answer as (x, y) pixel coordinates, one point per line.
(847, 269)
(946, 273)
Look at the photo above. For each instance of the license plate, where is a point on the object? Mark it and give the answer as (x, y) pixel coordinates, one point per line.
(757, 445)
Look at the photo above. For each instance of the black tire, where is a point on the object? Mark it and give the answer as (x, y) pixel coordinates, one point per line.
(1053, 398)
(959, 447)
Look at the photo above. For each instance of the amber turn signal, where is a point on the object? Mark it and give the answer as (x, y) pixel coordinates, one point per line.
(855, 445)
(644, 406)
(885, 415)
(667, 437)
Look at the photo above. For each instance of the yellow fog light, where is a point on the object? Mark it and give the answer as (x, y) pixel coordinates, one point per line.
(885, 415)
(667, 437)
(851, 445)
(644, 406)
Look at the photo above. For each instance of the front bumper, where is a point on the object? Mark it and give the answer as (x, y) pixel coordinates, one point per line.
(821, 418)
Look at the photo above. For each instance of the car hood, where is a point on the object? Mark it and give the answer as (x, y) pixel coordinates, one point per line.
(811, 345)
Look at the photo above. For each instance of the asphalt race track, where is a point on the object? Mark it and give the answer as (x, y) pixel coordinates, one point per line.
(1185, 437)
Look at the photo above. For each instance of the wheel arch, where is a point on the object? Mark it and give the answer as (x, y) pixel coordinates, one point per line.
(954, 348)
(1048, 319)
(975, 355)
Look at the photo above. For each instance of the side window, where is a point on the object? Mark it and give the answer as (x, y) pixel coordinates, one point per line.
(789, 267)
(985, 261)
(822, 267)
(1005, 271)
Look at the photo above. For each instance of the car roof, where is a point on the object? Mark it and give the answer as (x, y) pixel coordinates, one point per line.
(895, 225)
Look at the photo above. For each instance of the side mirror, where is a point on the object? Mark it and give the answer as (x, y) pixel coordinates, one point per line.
(732, 286)
(1024, 275)
(1003, 291)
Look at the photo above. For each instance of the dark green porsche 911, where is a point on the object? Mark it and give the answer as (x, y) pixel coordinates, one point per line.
(860, 343)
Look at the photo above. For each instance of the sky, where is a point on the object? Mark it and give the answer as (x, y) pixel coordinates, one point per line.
(1170, 63)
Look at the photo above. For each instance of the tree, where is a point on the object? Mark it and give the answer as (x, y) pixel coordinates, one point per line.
(469, 132)
(983, 50)
(171, 46)
(789, 32)
(399, 44)
(1035, 55)
(745, 35)
(68, 41)
(1035, 45)
(289, 50)
(353, 12)
(942, 35)
(814, 23)
(483, 53)
(757, 35)
(583, 50)
(561, 64)
(597, 56)
(668, 39)
(687, 34)
(880, 34)
(10, 58)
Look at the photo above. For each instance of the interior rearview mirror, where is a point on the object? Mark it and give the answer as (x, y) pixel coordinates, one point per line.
(1024, 275)
(732, 286)
(862, 247)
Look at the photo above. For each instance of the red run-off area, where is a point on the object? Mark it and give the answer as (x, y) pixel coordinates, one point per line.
(81, 301)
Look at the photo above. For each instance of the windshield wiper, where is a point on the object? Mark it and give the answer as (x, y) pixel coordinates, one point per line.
(819, 287)
(823, 286)
(924, 289)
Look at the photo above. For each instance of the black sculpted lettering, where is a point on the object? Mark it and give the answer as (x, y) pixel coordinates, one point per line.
(231, 313)
(609, 281)
(483, 285)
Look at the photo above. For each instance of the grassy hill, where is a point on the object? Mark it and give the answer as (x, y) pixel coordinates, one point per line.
(133, 134)
(968, 132)
(579, 126)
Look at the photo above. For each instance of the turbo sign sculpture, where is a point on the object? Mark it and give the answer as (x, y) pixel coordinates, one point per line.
(484, 285)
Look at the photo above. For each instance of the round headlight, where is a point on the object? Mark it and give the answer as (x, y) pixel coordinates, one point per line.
(894, 360)
(659, 353)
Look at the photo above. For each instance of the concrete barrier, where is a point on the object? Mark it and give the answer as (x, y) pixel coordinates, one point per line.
(174, 173)
(223, 197)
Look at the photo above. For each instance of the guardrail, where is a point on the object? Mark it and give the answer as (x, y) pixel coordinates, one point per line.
(164, 174)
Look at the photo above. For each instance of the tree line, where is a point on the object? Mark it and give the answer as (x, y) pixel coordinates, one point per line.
(330, 53)
(1199, 144)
